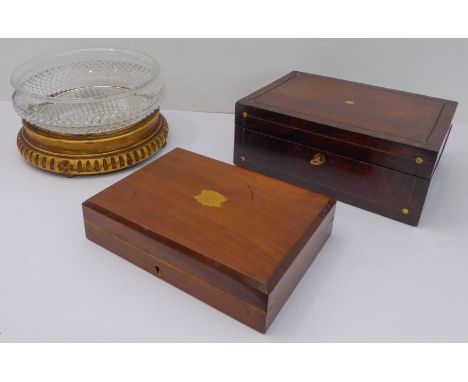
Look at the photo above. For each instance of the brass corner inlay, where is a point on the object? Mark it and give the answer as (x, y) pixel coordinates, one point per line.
(349, 102)
(210, 198)
(405, 211)
(419, 160)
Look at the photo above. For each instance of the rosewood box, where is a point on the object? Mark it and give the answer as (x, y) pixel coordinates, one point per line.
(368, 146)
(235, 239)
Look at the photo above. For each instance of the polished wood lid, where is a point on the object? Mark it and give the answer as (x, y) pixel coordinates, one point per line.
(385, 113)
(389, 128)
(246, 225)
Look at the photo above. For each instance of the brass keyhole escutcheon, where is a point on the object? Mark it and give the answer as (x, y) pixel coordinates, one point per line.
(318, 159)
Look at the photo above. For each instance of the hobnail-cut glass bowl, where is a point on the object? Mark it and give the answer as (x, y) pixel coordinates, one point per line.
(87, 91)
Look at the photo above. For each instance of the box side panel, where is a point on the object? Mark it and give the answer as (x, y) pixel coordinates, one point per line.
(360, 147)
(218, 298)
(173, 256)
(387, 120)
(299, 266)
(444, 124)
(388, 192)
(444, 142)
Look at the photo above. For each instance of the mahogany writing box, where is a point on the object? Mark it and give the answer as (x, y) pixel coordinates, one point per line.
(372, 147)
(237, 240)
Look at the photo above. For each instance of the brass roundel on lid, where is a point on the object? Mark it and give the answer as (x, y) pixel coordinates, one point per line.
(244, 114)
(349, 102)
(405, 211)
(419, 160)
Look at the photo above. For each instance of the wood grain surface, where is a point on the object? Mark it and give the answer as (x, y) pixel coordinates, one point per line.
(240, 250)
(380, 147)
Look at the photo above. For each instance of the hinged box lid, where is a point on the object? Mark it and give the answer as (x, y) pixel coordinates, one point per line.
(389, 128)
(224, 226)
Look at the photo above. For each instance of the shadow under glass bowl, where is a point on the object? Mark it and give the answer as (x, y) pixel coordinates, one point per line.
(87, 91)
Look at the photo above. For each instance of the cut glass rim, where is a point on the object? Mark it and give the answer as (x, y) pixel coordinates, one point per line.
(38, 64)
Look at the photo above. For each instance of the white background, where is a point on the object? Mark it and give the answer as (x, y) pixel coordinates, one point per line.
(242, 18)
(212, 74)
(375, 280)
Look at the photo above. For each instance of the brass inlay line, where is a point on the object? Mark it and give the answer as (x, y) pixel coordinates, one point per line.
(324, 78)
(319, 183)
(331, 153)
(436, 122)
(328, 137)
(386, 136)
(410, 198)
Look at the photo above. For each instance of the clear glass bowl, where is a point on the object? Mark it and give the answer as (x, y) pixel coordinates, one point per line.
(87, 91)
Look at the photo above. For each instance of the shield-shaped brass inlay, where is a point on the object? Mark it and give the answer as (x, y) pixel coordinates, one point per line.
(210, 198)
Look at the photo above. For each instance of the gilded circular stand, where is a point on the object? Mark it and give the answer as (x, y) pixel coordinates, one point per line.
(72, 154)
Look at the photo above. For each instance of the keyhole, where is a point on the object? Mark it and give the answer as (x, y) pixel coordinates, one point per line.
(157, 269)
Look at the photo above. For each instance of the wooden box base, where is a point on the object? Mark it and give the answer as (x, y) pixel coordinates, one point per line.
(372, 147)
(251, 315)
(390, 193)
(236, 257)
